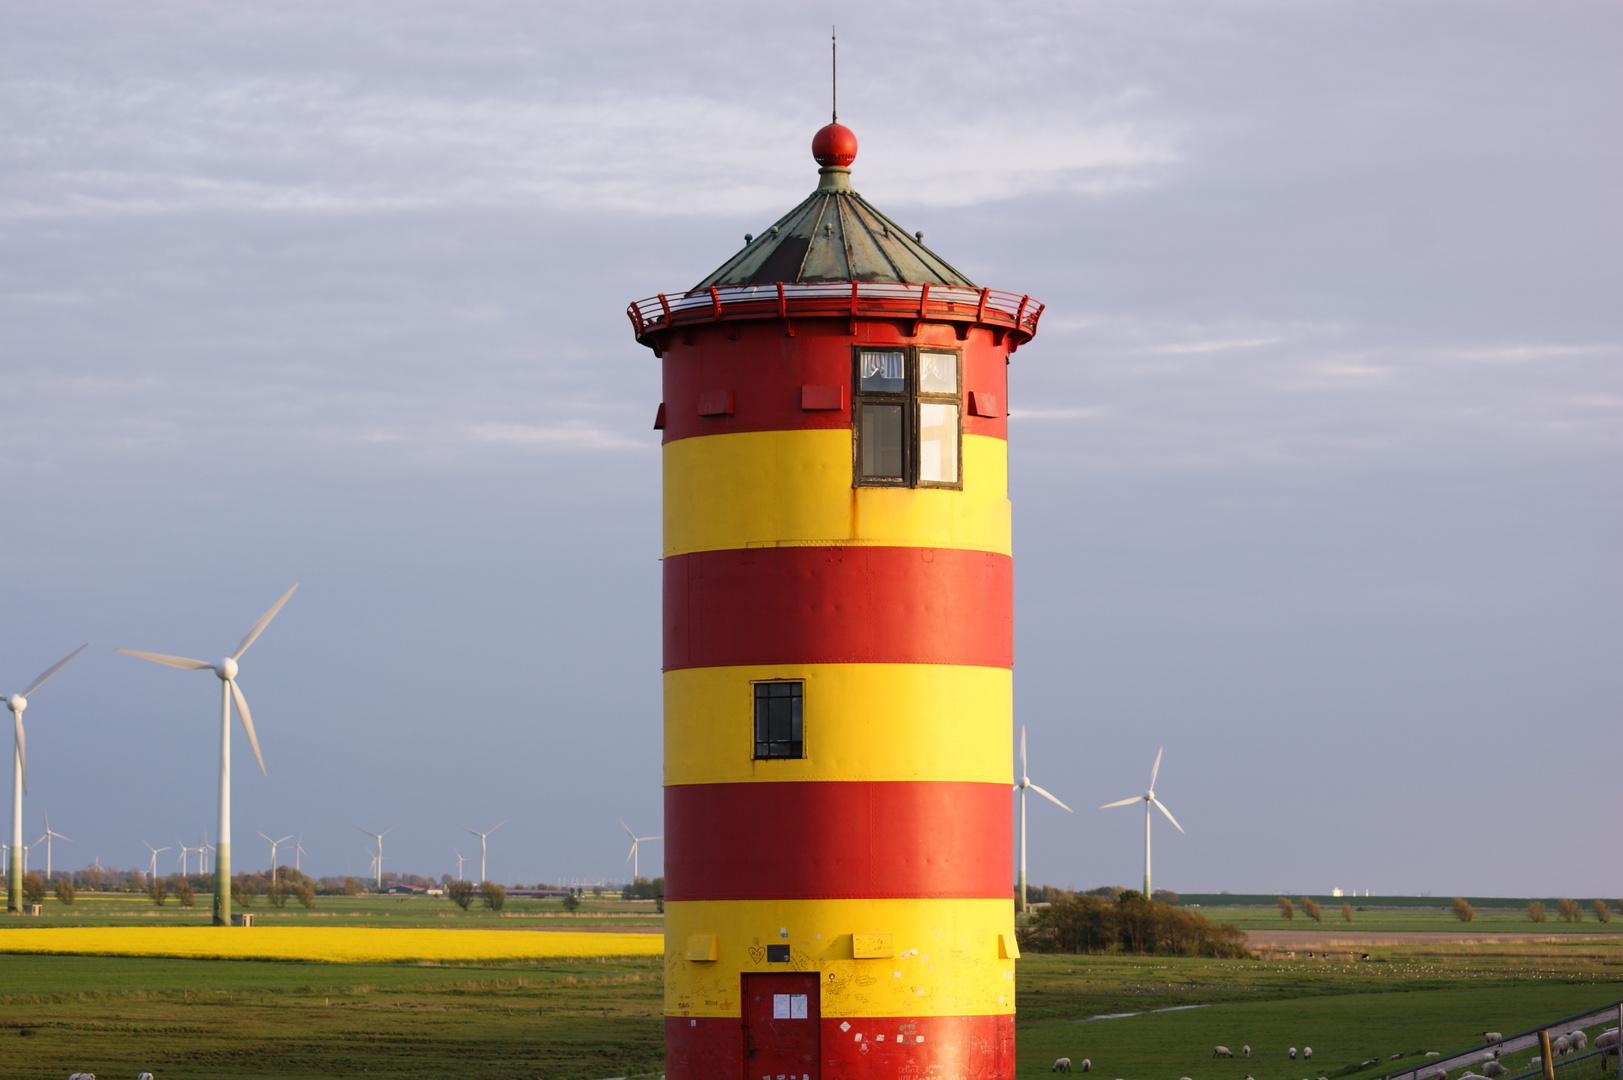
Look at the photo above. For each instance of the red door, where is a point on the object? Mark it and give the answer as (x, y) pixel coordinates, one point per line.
(780, 1027)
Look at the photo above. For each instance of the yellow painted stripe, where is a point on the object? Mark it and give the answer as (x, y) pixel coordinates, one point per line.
(862, 722)
(763, 488)
(945, 960)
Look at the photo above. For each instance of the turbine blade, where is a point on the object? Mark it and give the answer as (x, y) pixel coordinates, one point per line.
(283, 840)
(390, 829)
(367, 831)
(265, 838)
(651, 838)
(464, 828)
(1051, 799)
(247, 724)
(627, 828)
(1122, 802)
(1168, 813)
(172, 661)
(39, 682)
(632, 852)
(1156, 768)
(259, 627)
(22, 750)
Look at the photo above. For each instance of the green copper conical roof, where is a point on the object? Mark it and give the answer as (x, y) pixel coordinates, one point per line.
(835, 235)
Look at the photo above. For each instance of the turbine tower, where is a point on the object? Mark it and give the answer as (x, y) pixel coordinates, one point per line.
(273, 844)
(226, 671)
(1149, 800)
(48, 836)
(481, 836)
(1025, 782)
(19, 781)
(635, 841)
(377, 862)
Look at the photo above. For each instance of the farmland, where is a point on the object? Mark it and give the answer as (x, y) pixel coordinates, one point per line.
(599, 1015)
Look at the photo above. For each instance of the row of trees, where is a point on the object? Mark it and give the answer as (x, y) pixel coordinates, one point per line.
(1129, 923)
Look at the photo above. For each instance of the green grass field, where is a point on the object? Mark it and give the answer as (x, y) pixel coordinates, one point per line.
(1496, 920)
(590, 1019)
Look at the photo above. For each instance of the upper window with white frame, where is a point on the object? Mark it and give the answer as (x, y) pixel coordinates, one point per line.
(907, 421)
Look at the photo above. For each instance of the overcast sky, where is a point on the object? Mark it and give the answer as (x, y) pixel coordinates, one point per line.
(1314, 459)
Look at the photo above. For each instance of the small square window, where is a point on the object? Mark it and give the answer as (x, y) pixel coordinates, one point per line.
(938, 373)
(884, 372)
(778, 731)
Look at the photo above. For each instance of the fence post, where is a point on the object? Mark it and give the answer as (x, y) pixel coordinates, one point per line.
(1546, 1059)
(1619, 1046)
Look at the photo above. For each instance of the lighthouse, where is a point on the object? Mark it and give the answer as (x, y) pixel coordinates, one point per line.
(838, 652)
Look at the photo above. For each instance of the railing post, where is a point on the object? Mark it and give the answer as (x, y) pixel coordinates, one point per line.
(1544, 1050)
(1618, 1048)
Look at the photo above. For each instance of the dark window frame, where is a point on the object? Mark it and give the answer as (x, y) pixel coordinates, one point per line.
(790, 749)
(910, 398)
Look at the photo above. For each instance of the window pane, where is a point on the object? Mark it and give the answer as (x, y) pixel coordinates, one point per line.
(777, 720)
(883, 371)
(938, 373)
(938, 443)
(882, 440)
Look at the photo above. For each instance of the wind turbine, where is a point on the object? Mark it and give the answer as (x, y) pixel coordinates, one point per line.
(1025, 782)
(19, 779)
(48, 835)
(26, 849)
(273, 844)
(459, 861)
(153, 874)
(481, 836)
(377, 864)
(298, 851)
(226, 671)
(184, 852)
(1149, 800)
(636, 840)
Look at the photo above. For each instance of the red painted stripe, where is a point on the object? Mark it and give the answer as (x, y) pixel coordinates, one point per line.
(704, 1048)
(838, 840)
(830, 605)
(765, 372)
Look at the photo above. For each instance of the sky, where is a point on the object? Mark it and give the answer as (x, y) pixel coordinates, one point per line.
(1314, 459)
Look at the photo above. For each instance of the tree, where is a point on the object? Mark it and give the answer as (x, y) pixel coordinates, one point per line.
(277, 895)
(1166, 896)
(1287, 910)
(1079, 923)
(571, 903)
(157, 891)
(1310, 908)
(1346, 912)
(1535, 911)
(495, 896)
(33, 889)
(461, 893)
(1463, 911)
(184, 892)
(243, 891)
(1571, 911)
(352, 887)
(306, 895)
(64, 890)
(1602, 912)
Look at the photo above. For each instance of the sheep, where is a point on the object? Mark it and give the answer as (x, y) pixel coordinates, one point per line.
(1394, 1057)
(1606, 1042)
(1492, 1036)
(1222, 1051)
(1435, 1074)
(1307, 1053)
(1086, 1064)
(1493, 1070)
(1433, 1053)
(1293, 1053)
(1560, 1046)
(1061, 1065)
(1245, 1051)
(1580, 1041)
(144, 1076)
(1538, 1059)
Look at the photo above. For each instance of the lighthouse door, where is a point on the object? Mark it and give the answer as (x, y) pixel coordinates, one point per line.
(780, 1027)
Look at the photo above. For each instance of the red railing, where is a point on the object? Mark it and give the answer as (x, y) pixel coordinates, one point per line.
(855, 299)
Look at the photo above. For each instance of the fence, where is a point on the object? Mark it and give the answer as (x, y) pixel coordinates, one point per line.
(1534, 1039)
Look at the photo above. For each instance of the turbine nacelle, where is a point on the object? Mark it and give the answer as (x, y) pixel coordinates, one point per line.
(16, 703)
(225, 668)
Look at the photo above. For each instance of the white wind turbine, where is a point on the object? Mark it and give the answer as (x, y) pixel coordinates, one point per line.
(481, 836)
(377, 862)
(26, 849)
(184, 853)
(1025, 782)
(225, 670)
(49, 834)
(274, 844)
(459, 861)
(19, 781)
(298, 853)
(1149, 800)
(636, 840)
(153, 873)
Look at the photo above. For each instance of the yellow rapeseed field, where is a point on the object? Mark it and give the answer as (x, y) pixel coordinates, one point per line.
(341, 945)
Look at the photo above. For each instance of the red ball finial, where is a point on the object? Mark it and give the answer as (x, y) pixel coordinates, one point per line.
(835, 144)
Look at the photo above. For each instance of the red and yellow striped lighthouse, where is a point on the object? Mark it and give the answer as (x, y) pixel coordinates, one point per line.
(838, 653)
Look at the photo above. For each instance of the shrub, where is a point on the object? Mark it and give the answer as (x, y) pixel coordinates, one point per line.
(571, 903)
(1166, 896)
(1310, 908)
(157, 891)
(64, 890)
(243, 892)
(460, 893)
(1463, 911)
(1287, 909)
(184, 893)
(306, 895)
(1570, 911)
(1346, 912)
(1132, 924)
(1602, 912)
(277, 895)
(494, 894)
(33, 889)
(1535, 911)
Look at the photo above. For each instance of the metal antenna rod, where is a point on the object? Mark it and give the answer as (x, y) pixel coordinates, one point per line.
(834, 72)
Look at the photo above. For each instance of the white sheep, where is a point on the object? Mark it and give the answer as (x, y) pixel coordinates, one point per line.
(1394, 1057)
(1492, 1036)
(144, 1076)
(1560, 1046)
(1293, 1053)
(1538, 1059)
(82, 1076)
(1493, 1069)
(1580, 1041)
(1086, 1064)
(1245, 1051)
(1606, 1042)
(1433, 1053)
(1438, 1074)
(1307, 1053)
(1061, 1065)
(1222, 1052)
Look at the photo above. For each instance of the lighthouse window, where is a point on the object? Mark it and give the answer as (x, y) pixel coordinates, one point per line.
(908, 418)
(778, 731)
